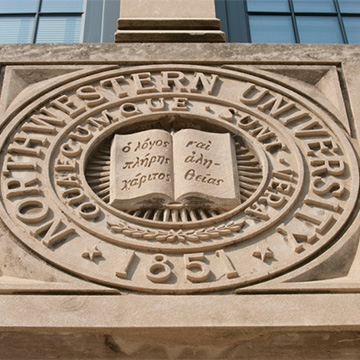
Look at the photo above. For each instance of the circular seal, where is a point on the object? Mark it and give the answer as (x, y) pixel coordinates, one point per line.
(175, 178)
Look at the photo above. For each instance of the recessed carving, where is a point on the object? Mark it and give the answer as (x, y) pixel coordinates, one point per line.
(252, 179)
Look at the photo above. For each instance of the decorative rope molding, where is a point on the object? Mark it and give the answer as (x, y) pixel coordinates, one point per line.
(177, 235)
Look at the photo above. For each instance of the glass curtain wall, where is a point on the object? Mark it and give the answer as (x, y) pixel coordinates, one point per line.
(291, 21)
(41, 21)
(257, 21)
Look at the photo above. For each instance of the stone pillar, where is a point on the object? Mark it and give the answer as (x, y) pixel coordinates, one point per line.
(168, 21)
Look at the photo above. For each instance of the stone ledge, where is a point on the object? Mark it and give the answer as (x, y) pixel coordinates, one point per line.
(185, 36)
(277, 312)
(154, 53)
(184, 327)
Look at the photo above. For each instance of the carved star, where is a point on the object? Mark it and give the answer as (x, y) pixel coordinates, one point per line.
(92, 253)
(263, 253)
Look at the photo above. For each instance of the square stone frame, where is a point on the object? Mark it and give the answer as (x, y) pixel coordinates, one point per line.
(92, 323)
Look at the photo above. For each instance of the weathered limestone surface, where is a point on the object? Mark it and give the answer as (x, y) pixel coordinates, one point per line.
(113, 285)
(168, 9)
(168, 21)
(167, 328)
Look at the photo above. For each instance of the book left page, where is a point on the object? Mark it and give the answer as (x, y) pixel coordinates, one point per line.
(141, 170)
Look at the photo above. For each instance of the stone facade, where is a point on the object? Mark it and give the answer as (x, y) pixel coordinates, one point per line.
(272, 273)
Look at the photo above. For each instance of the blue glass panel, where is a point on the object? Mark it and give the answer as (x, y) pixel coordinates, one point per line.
(271, 29)
(352, 27)
(16, 29)
(18, 6)
(326, 6)
(319, 29)
(349, 6)
(59, 29)
(62, 6)
(267, 5)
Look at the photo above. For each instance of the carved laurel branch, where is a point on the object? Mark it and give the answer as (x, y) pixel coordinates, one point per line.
(176, 235)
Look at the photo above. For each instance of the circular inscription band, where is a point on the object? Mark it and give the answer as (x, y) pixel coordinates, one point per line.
(175, 179)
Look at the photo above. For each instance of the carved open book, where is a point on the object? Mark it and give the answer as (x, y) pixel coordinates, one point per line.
(154, 168)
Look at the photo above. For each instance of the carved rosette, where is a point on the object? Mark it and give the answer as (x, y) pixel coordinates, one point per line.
(296, 180)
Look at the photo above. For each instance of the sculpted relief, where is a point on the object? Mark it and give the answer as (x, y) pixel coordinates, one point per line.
(176, 179)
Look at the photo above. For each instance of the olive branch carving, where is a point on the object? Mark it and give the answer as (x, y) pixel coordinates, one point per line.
(172, 235)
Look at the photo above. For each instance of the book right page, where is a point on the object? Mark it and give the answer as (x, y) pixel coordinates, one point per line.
(205, 170)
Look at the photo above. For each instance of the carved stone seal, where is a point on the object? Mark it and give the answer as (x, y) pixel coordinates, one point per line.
(175, 178)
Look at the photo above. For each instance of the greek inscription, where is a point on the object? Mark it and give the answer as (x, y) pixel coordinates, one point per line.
(207, 178)
(149, 144)
(200, 160)
(199, 144)
(139, 180)
(147, 161)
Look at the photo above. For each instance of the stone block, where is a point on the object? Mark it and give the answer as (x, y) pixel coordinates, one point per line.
(278, 274)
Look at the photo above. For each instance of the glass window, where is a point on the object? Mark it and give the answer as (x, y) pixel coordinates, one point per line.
(16, 29)
(271, 29)
(352, 27)
(59, 29)
(18, 6)
(319, 29)
(267, 5)
(349, 6)
(314, 6)
(62, 6)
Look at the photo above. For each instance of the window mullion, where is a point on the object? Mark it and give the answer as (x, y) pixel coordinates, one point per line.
(293, 19)
(342, 26)
(36, 22)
